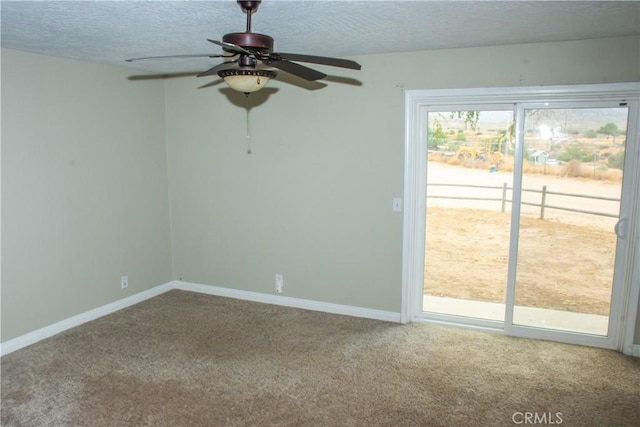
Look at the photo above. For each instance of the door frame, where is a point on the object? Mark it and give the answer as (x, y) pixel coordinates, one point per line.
(416, 104)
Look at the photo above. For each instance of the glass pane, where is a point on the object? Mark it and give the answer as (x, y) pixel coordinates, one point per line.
(572, 180)
(469, 180)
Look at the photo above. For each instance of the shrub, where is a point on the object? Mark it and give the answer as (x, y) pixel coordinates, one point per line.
(575, 152)
(616, 160)
(572, 169)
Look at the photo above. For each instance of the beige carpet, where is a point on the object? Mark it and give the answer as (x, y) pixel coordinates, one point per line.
(185, 359)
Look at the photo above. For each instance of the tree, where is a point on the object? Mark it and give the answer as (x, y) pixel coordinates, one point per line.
(470, 118)
(435, 135)
(610, 129)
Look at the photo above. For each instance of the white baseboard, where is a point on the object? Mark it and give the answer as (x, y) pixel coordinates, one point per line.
(33, 337)
(347, 310)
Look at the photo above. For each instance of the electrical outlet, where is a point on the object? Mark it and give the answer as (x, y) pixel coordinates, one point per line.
(279, 283)
(124, 282)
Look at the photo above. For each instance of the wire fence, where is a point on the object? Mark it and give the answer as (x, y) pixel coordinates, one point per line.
(503, 199)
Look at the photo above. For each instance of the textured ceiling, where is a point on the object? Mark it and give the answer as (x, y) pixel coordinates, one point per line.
(110, 31)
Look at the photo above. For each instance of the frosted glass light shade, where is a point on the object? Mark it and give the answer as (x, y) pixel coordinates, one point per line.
(246, 81)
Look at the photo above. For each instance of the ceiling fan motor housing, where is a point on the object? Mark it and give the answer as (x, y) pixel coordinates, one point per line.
(249, 41)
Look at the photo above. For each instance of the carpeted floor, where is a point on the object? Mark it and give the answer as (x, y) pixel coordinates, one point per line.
(186, 359)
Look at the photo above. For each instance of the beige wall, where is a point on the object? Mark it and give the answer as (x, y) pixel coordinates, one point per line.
(84, 189)
(313, 201)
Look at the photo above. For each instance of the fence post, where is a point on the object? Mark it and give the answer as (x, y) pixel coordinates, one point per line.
(504, 196)
(544, 199)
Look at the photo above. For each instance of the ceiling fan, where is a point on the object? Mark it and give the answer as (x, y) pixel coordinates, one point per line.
(248, 49)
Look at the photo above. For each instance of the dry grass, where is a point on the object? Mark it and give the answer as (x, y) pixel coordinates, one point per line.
(573, 169)
(560, 266)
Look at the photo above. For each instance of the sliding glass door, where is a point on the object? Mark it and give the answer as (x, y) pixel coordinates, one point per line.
(527, 213)
(573, 163)
(469, 179)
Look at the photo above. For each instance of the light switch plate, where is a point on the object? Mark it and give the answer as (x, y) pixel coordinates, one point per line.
(397, 204)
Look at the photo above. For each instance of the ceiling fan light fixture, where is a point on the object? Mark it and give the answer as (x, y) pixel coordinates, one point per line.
(247, 80)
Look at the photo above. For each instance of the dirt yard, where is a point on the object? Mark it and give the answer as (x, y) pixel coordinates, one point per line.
(565, 261)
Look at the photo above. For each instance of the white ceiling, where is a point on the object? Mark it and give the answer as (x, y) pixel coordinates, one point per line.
(108, 32)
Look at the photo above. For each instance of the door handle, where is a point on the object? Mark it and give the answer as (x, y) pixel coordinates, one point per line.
(620, 230)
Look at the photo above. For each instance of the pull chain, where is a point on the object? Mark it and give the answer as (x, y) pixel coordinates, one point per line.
(248, 126)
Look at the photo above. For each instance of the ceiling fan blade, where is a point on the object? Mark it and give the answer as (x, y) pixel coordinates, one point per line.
(214, 70)
(323, 60)
(230, 46)
(296, 69)
(197, 55)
